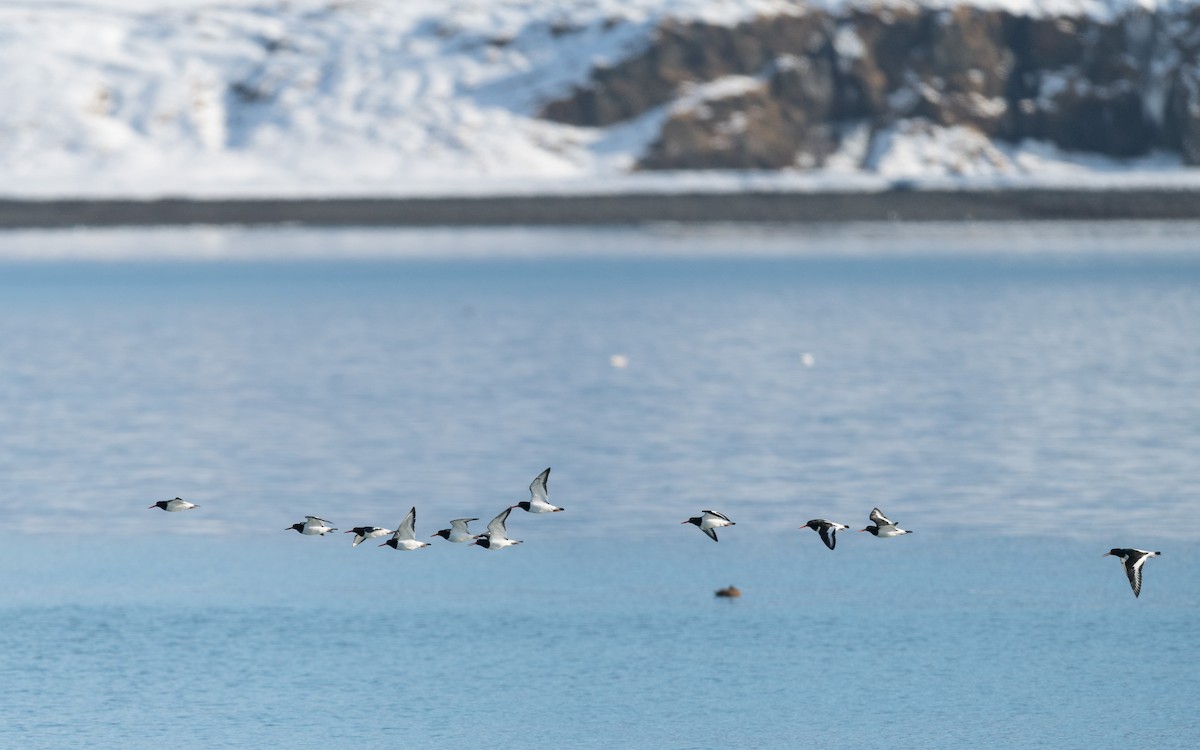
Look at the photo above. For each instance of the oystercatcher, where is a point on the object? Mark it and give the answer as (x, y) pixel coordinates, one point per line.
(1133, 559)
(174, 506)
(496, 536)
(885, 528)
(312, 525)
(827, 529)
(538, 501)
(709, 521)
(458, 531)
(362, 533)
(405, 535)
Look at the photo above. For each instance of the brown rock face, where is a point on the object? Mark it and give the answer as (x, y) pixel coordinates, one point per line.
(1119, 88)
(678, 55)
(751, 130)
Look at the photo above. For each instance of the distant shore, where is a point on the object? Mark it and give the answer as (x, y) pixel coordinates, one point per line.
(751, 207)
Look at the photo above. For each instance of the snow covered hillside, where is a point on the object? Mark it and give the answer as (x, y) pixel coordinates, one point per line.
(418, 97)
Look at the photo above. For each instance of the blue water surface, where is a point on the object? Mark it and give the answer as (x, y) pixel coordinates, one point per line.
(1023, 399)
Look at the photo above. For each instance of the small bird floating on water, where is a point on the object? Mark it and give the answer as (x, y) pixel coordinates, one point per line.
(709, 521)
(496, 536)
(827, 529)
(312, 525)
(362, 533)
(730, 592)
(174, 506)
(458, 531)
(405, 535)
(884, 528)
(1133, 559)
(538, 501)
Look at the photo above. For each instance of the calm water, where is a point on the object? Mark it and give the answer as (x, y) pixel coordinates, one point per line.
(1024, 398)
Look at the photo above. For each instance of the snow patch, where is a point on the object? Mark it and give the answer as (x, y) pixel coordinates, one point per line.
(935, 156)
(848, 44)
(918, 148)
(694, 96)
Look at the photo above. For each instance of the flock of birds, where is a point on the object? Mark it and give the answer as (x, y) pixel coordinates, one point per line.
(404, 536)
(1133, 559)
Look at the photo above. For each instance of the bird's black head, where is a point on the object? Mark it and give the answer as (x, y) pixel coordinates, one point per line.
(814, 524)
(523, 505)
(1117, 552)
(160, 504)
(693, 520)
(444, 533)
(484, 542)
(393, 544)
(872, 530)
(296, 527)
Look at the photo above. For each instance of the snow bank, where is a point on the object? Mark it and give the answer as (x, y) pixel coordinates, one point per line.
(374, 97)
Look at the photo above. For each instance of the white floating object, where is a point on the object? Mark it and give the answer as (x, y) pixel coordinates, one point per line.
(619, 361)
(807, 359)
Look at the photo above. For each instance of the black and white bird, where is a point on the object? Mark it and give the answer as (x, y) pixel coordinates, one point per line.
(174, 506)
(1133, 559)
(827, 529)
(884, 528)
(496, 536)
(538, 501)
(709, 521)
(312, 525)
(405, 535)
(363, 533)
(458, 531)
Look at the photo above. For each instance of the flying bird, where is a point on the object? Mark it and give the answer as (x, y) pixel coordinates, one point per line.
(884, 528)
(496, 536)
(827, 529)
(405, 535)
(312, 525)
(362, 533)
(174, 506)
(1133, 560)
(538, 501)
(458, 531)
(709, 521)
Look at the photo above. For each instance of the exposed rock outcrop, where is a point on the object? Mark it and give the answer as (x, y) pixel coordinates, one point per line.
(1120, 88)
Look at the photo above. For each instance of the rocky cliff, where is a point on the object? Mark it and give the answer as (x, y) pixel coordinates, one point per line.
(785, 91)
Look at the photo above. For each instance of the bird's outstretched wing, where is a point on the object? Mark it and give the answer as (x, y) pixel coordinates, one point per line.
(1133, 569)
(828, 535)
(538, 489)
(496, 526)
(407, 527)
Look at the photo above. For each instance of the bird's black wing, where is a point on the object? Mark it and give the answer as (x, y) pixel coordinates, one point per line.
(1133, 570)
(828, 535)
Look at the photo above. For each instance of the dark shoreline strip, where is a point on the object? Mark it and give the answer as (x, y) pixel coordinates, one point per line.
(892, 205)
